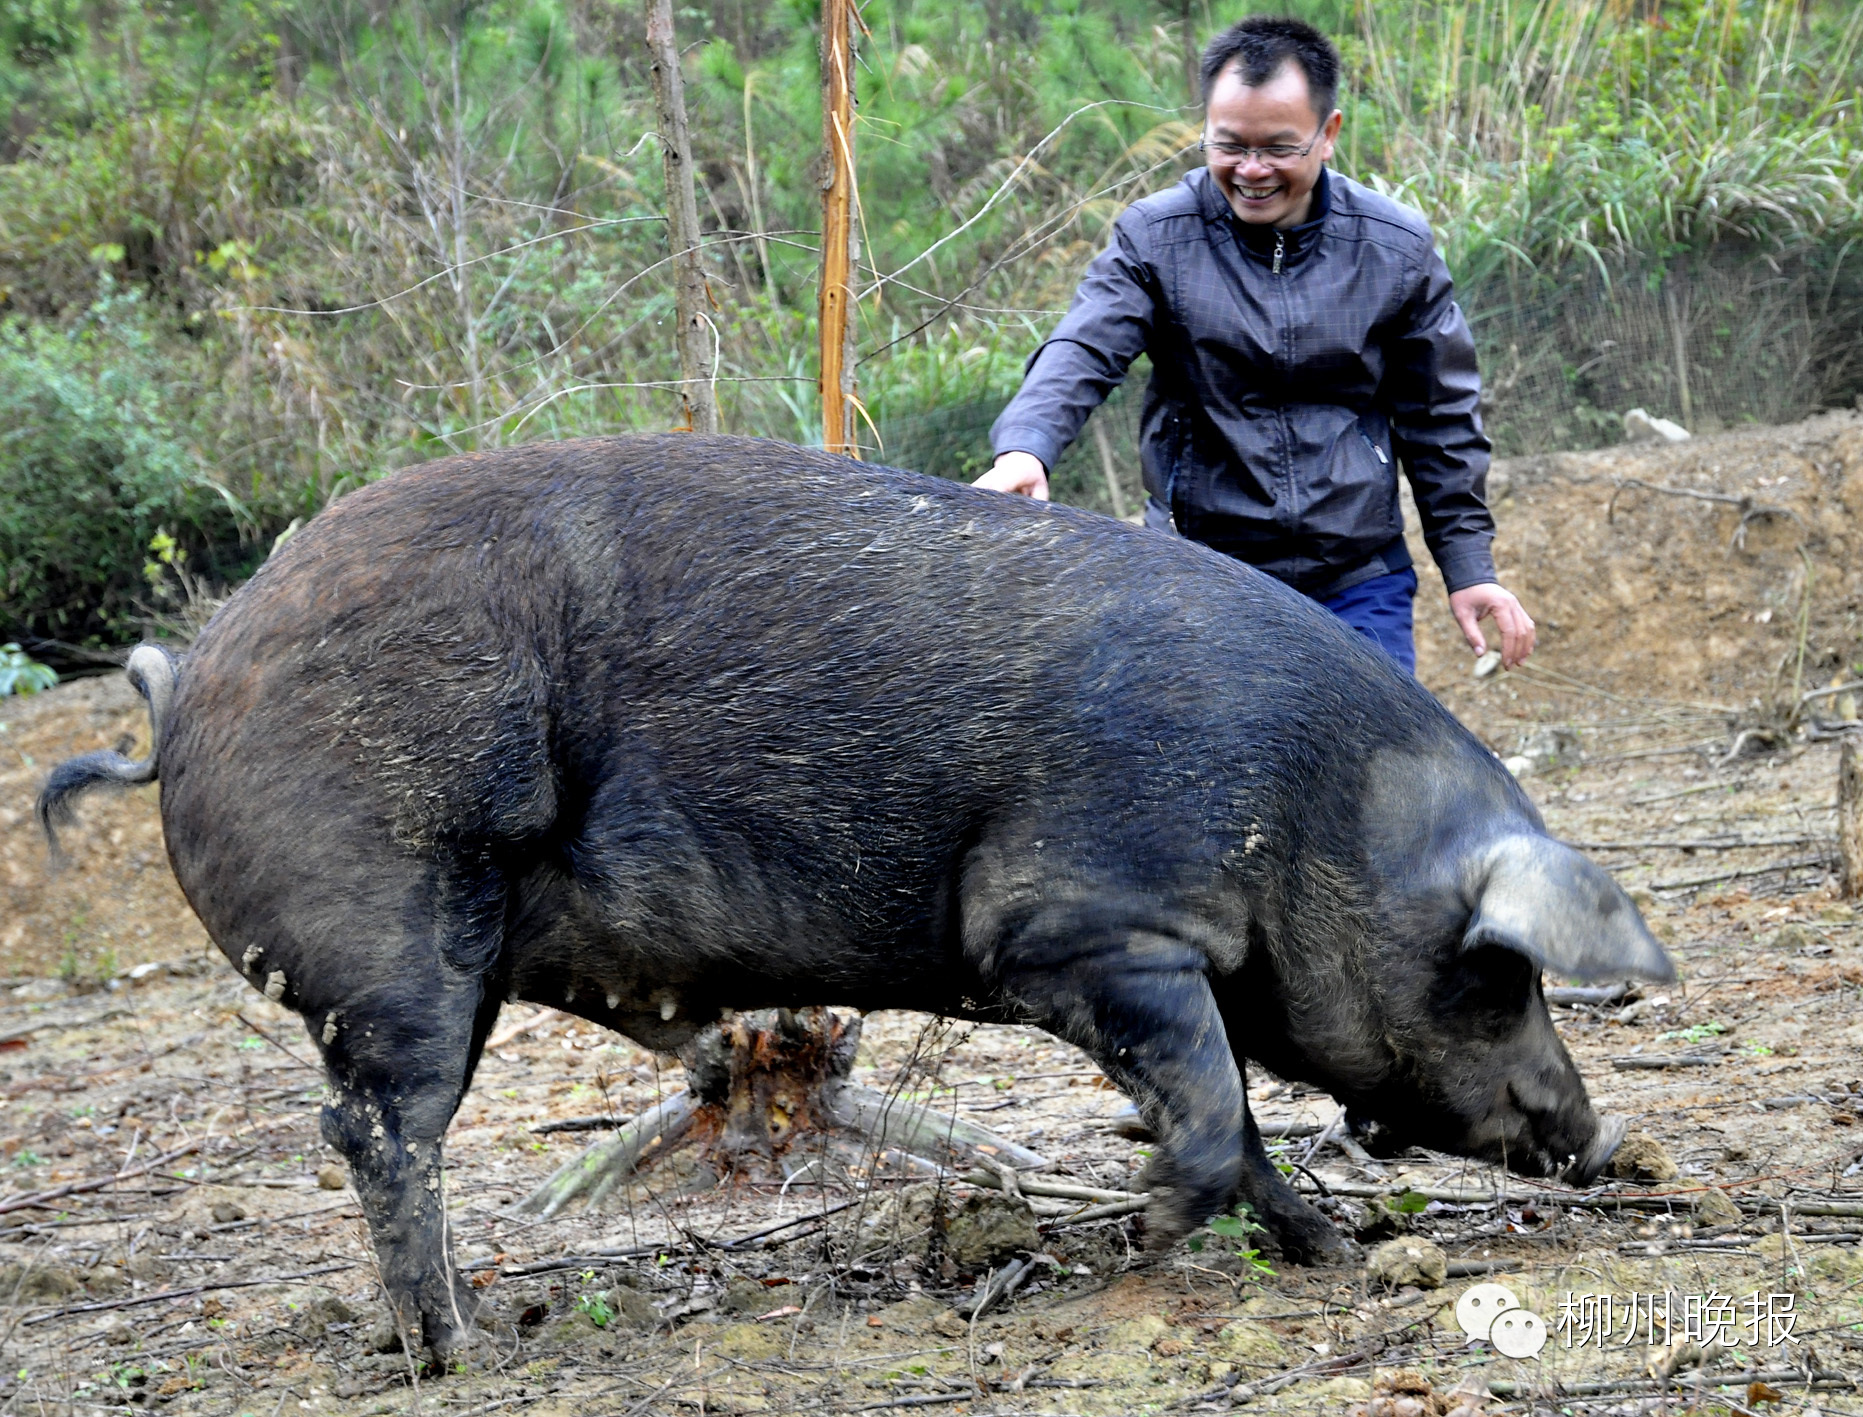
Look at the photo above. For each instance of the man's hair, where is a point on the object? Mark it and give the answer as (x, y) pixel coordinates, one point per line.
(1261, 44)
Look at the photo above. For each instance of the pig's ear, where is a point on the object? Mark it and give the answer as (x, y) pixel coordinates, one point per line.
(1561, 910)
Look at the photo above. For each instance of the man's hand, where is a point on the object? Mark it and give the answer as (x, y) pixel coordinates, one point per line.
(1018, 472)
(1475, 603)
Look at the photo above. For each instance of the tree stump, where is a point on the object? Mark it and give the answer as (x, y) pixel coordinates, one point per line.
(769, 1102)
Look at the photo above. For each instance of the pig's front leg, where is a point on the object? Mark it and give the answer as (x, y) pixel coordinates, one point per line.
(1299, 1232)
(1139, 1002)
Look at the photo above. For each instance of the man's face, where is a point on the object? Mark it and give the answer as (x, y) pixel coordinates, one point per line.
(1277, 114)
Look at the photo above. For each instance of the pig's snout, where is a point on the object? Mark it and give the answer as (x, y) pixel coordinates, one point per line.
(1587, 1168)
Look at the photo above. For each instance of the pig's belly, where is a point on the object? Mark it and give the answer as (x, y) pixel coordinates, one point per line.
(689, 943)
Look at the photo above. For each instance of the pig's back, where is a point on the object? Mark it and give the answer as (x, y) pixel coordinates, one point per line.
(788, 665)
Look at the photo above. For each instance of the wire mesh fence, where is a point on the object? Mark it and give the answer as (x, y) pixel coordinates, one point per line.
(1712, 341)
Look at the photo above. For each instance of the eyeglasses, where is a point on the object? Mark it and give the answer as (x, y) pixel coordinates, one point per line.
(1275, 155)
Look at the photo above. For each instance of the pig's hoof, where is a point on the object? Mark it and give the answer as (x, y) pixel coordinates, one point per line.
(1305, 1236)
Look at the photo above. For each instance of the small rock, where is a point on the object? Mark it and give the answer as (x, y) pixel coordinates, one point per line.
(384, 1337)
(633, 1309)
(120, 1334)
(1520, 765)
(331, 1177)
(1794, 937)
(1640, 1157)
(907, 1221)
(1712, 1207)
(225, 1212)
(34, 1283)
(1554, 747)
(1399, 1262)
(1381, 1222)
(1486, 664)
(742, 1296)
(318, 1315)
(988, 1227)
(1402, 1380)
(577, 1326)
(949, 1324)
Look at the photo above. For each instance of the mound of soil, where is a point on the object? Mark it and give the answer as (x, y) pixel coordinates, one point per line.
(1691, 572)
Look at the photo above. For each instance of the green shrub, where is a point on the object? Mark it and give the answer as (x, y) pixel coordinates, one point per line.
(21, 674)
(90, 470)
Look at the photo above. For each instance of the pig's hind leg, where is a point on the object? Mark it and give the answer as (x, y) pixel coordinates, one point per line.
(396, 980)
(392, 1092)
(1139, 1002)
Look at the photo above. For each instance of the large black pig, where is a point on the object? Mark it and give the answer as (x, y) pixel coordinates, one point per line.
(651, 728)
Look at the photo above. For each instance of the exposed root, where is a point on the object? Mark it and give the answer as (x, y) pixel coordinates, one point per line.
(770, 1103)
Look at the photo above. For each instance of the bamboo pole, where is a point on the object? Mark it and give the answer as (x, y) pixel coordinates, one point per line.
(1850, 814)
(839, 241)
(696, 336)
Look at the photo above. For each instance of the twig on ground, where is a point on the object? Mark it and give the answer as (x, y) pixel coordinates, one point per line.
(1796, 863)
(276, 1044)
(1704, 844)
(188, 1293)
(512, 1030)
(1779, 1377)
(72, 1188)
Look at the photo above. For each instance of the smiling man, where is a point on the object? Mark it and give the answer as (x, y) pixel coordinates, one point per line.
(1305, 342)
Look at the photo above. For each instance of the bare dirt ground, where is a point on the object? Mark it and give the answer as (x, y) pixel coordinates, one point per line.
(173, 1235)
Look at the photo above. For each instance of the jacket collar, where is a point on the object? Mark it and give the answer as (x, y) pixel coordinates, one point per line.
(1298, 241)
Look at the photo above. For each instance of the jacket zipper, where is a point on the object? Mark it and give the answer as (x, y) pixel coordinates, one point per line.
(1375, 449)
(1287, 473)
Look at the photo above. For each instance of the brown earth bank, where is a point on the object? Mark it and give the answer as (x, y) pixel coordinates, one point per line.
(173, 1236)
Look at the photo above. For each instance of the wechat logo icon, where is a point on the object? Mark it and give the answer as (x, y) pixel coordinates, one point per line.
(1491, 1313)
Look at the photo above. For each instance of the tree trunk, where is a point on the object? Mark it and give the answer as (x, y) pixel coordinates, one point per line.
(697, 336)
(840, 245)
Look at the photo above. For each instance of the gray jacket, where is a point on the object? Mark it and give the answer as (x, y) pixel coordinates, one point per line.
(1291, 370)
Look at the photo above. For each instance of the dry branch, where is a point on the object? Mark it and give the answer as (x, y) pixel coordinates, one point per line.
(1779, 1377)
(527, 1025)
(1701, 844)
(697, 336)
(1593, 1200)
(1656, 1062)
(1850, 815)
(187, 1293)
(1578, 995)
(1795, 864)
(73, 1188)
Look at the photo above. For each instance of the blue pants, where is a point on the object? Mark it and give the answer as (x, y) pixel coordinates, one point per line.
(1380, 610)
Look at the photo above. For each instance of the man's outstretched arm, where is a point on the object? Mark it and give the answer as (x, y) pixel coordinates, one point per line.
(1105, 329)
(1435, 399)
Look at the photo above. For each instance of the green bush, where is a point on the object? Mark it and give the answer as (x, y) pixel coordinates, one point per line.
(90, 470)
